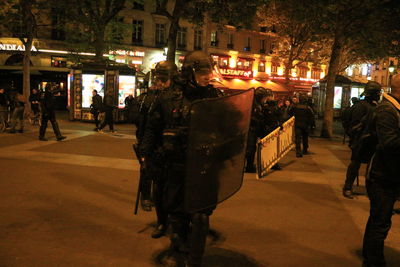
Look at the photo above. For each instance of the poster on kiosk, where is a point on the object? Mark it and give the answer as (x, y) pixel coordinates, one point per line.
(127, 85)
(91, 82)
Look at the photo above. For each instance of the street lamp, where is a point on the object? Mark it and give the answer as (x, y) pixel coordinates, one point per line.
(391, 69)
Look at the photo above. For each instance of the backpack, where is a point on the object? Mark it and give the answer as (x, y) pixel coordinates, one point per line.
(365, 138)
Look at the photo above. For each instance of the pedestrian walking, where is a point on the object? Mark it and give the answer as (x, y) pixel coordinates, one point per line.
(47, 103)
(4, 103)
(96, 107)
(383, 183)
(358, 112)
(18, 103)
(108, 106)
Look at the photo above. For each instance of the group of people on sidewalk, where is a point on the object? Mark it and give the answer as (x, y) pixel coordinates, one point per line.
(374, 129)
(105, 107)
(40, 102)
(269, 114)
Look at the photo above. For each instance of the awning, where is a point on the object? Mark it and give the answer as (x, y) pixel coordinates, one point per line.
(240, 84)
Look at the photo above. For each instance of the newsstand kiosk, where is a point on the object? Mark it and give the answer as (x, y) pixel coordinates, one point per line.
(105, 77)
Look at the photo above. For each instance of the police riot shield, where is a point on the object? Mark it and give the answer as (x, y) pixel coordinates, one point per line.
(216, 149)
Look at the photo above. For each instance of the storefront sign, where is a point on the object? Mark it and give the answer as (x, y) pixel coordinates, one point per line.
(15, 47)
(235, 73)
(127, 53)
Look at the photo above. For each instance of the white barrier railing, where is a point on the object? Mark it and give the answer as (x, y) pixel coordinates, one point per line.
(274, 147)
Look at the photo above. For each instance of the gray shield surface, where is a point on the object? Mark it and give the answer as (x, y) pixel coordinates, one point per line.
(216, 149)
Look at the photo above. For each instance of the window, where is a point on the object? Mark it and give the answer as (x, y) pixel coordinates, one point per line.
(181, 38)
(303, 72)
(274, 69)
(261, 66)
(214, 38)
(230, 41)
(223, 62)
(138, 6)
(160, 35)
(262, 46)
(316, 74)
(263, 29)
(57, 24)
(244, 64)
(137, 33)
(197, 39)
(248, 44)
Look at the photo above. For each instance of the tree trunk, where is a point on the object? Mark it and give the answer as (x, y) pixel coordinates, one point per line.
(27, 73)
(173, 29)
(99, 42)
(327, 126)
(288, 66)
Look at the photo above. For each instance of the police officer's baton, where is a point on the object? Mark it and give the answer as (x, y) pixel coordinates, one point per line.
(136, 150)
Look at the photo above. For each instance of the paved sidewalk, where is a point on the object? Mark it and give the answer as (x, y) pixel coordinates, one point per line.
(70, 203)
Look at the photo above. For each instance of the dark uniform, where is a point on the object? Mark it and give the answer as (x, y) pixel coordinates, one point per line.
(47, 103)
(167, 129)
(257, 128)
(3, 106)
(304, 120)
(357, 113)
(34, 99)
(152, 171)
(383, 183)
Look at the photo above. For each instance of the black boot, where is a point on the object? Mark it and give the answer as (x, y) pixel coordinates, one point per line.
(57, 132)
(197, 240)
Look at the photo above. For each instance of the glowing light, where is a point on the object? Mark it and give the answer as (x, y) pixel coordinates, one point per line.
(322, 75)
(294, 74)
(309, 74)
(280, 71)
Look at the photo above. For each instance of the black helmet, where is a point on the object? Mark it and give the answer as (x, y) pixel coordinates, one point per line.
(197, 62)
(164, 70)
(262, 92)
(372, 88)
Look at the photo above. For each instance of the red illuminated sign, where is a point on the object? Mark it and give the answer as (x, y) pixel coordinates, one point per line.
(235, 73)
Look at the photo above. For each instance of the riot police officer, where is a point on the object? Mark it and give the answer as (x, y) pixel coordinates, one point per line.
(257, 127)
(168, 129)
(304, 120)
(48, 113)
(164, 75)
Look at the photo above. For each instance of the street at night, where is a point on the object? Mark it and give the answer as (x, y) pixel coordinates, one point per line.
(71, 203)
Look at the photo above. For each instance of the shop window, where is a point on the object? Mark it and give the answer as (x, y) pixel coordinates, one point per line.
(181, 38)
(244, 64)
(160, 35)
(223, 62)
(261, 66)
(59, 62)
(137, 33)
(337, 99)
(214, 38)
(230, 41)
(198, 39)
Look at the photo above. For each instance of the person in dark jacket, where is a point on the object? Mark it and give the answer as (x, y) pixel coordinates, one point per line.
(360, 109)
(47, 103)
(18, 103)
(257, 128)
(383, 179)
(166, 128)
(304, 119)
(3, 107)
(108, 107)
(34, 99)
(96, 107)
(152, 172)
